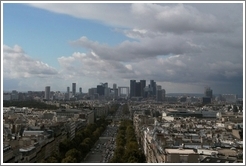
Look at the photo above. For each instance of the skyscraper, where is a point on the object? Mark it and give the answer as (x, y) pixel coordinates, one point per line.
(208, 92)
(100, 90)
(92, 91)
(138, 89)
(74, 88)
(132, 88)
(68, 93)
(153, 87)
(47, 93)
(114, 86)
(158, 87)
(106, 89)
(163, 94)
(160, 94)
(105, 85)
(115, 90)
(80, 90)
(143, 85)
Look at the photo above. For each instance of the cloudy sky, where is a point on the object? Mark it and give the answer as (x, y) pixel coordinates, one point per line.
(183, 47)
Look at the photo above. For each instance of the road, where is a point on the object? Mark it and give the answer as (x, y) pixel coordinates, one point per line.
(103, 149)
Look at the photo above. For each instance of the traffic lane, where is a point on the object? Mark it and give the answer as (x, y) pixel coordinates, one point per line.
(95, 155)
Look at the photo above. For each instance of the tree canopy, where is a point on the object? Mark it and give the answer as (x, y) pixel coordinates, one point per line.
(75, 150)
(127, 149)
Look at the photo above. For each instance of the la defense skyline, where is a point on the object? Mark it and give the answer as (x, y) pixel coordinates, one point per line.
(136, 88)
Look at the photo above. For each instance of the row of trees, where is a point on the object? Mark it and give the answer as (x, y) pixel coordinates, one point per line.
(125, 109)
(127, 149)
(29, 104)
(74, 151)
(113, 108)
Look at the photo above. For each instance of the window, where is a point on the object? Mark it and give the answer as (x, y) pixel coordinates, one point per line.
(183, 158)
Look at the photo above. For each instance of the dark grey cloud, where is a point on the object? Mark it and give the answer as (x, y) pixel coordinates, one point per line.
(162, 17)
(146, 48)
(178, 18)
(181, 44)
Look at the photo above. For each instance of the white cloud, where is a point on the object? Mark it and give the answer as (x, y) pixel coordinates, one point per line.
(91, 65)
(128, 66)
(172, 43)
(16, 64)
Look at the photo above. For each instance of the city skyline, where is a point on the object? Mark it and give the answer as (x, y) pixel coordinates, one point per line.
(183, 47)
(208, 92)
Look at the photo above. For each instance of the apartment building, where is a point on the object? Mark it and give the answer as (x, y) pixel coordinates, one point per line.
(187, 139)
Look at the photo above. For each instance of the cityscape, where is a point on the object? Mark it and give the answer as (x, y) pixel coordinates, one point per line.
(137, 91)
(166, 128)
(122, 83)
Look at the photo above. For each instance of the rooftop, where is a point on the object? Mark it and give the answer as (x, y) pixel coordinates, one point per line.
(180, 151)
(27, 149)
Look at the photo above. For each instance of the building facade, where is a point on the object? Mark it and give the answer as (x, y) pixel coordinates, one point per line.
(47, 93)
(208, 92)
(132, 88)
(143, 85)
(74, 88)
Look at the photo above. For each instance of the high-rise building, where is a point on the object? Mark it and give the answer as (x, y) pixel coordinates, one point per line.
(47, 93)
(114, 86)
(105, 85)
(143, 85)
(92, 91)
(163, 94)
(80, 90)
(138, 89)
(208, 92)
(100, 90)
(116, 93)
(160, 94)
(153, 87)
(115, 90)
(74, 88)
(106, 89)
(132, 88)
(67, 95)
(146, 91)
(158, 87)
(206, 100)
